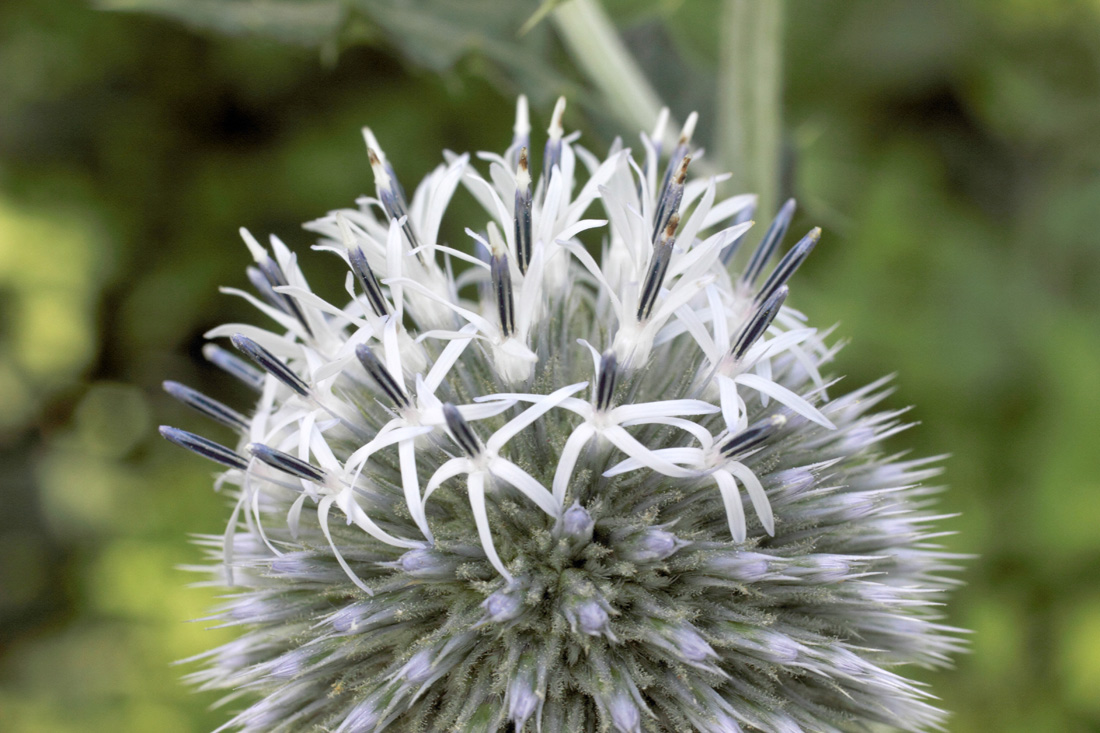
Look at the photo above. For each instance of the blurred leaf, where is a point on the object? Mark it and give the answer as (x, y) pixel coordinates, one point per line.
(436, 34)
(288, 21)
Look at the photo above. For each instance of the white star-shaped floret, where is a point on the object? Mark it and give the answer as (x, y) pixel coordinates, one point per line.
(718, 462)
(483, 463)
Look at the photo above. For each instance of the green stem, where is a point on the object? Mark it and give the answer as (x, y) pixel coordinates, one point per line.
(749, 97)
(595, 46)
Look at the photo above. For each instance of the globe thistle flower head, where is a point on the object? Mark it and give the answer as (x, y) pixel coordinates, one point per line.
(533, 488)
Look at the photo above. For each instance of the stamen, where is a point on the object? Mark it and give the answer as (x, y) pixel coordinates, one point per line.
(682, 148)
(263, 287)
(658, 266)
(267, 361)
(521, 131)
(233, 366)
(669, 203)
(771, 240)
(606, 379)
(790, 262)
(394, 204)
(381, 376)
(552, 155)
(502, 281)
(523, 213)
(201, 403)
(461, 431)
(741, 217)
(759, 323)
(372, 144)
(363, 272)
(275, 278)
(752, 436)
(287, 463)
(657, 138)
(203, 447)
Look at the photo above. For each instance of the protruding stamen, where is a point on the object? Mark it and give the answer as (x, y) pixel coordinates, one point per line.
(759, 323)
(275, 277)
(381, 376)
(263, 287)
(658, 136)
(267, 361)
(671, 198)
(502, 281)
(365, 275)
(606, 379)
(287, 463)
(683, 146)
(388, 194)
(461, 431)
(768, 244)
(741, 217)
(523, 212)
(372, 144)
(521, 131)
(233, 366)
(658, 266)
(790, 262)
(552, 156)
(752, 436)
(203, 447)
(201, 403)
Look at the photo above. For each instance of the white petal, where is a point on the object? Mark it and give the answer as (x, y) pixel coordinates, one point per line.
(448, 358)
(649, 458)
(781, 394)
(687, 456)
(733, 407)
(450, 469)
(526, 483)
(704, 436)
(665, 408)
(293, 517)
(567, 460)
(411, 485)
(475, 487)
(735, 513)
(322, 519)
(759, 498)
(347, 503)
(484, 410)
(534, 412)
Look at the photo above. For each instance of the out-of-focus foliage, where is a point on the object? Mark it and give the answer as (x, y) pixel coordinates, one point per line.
(435, 34)
(948, 149)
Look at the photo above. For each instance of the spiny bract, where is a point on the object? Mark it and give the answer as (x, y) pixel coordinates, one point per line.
(511, 497)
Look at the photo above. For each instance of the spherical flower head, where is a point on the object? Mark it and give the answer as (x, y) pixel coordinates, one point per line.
(536, 488)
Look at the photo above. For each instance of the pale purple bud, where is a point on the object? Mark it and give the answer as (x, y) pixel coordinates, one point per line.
(522, 700)
(363, 717)
(650, 545)
(428, 563)
(624, 713)
(745, 567)
(577, 523)
(691, 646)
(503, 605)
(591, 618)
(419, 667)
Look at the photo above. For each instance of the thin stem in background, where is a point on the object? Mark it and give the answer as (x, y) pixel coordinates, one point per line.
(749, 97)
(596, 48)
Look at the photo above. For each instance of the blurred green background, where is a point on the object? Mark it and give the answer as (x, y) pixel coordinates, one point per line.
(950, 150)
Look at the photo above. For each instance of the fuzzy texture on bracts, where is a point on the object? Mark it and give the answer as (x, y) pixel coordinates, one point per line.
(534, 488)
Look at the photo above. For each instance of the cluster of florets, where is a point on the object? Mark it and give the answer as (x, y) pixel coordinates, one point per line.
(528, 487)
